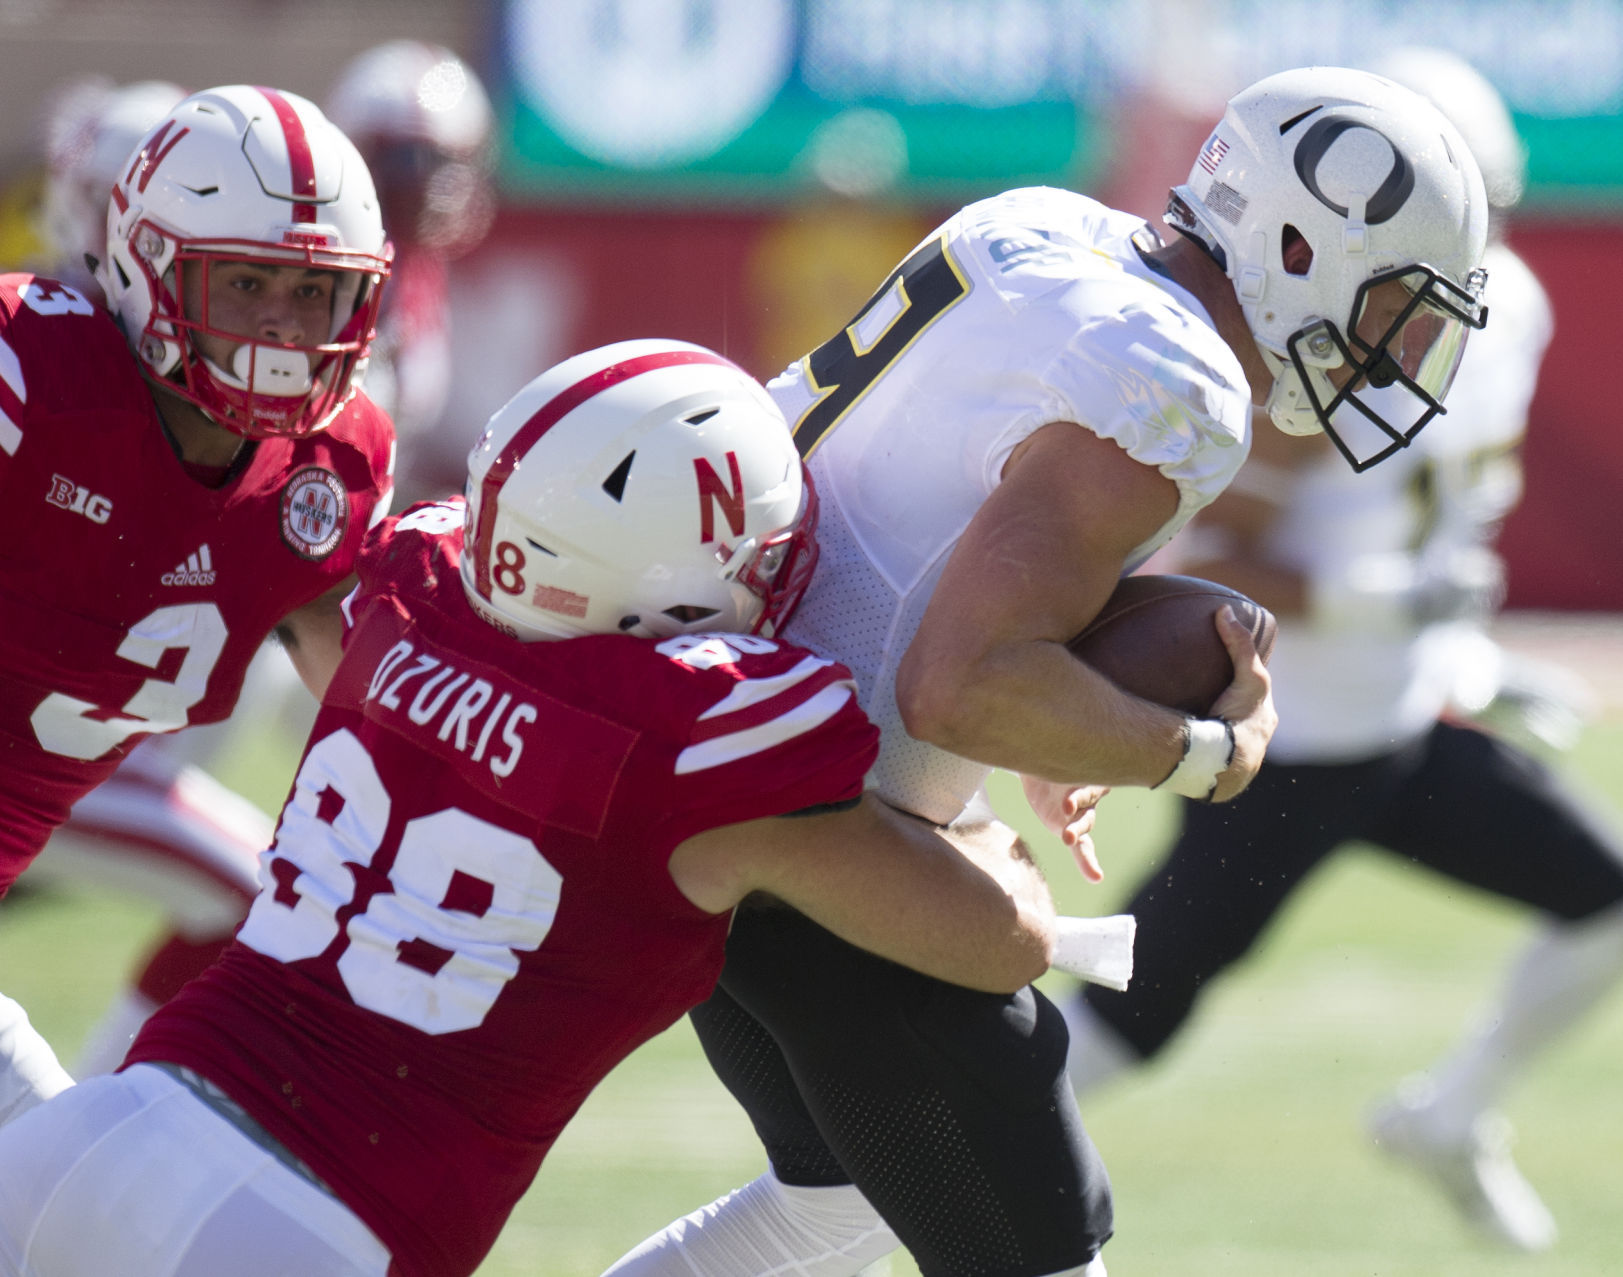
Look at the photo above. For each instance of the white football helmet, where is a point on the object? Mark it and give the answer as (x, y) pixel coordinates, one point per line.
(1351, 217)
(88, 140)
(647, 487)
(423, 121)
(237, 174)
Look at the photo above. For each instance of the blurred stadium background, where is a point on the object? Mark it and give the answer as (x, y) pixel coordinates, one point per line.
(740, 173)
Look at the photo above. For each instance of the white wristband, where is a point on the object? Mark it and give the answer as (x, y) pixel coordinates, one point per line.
(1099, 950)
(1208, 749)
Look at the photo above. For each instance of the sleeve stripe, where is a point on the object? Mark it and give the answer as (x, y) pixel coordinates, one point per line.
(13, 396)
(380, 511)
(754, 690)
(777, 698)
(11, 372)
(805, 717)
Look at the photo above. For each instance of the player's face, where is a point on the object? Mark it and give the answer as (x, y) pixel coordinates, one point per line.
(1425, 344)
(282, 305)
(1383, 304)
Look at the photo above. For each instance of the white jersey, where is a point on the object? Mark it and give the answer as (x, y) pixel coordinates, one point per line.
(1031, 307)
(1347, 694)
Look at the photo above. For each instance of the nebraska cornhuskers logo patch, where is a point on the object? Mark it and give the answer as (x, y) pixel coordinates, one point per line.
(315, 512)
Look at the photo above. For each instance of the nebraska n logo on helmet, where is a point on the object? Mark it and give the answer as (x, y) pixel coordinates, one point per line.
(1351, 218)
(647, 487)
(246, 174)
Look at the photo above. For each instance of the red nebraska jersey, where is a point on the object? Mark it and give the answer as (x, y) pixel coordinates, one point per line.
(132, 597)
(467, 918)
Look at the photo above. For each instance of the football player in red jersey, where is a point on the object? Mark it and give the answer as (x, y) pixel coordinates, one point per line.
(560, 746)
(195, 470)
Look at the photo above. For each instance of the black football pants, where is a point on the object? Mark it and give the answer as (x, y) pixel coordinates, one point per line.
(1458, 801)
(949, 1109)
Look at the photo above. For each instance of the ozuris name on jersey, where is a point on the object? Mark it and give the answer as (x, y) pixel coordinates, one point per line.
(431, 691)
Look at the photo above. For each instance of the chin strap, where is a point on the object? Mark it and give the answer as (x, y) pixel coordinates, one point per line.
(1288, 404)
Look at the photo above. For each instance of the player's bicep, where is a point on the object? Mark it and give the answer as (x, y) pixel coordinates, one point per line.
(1045, 549)
(719, 867)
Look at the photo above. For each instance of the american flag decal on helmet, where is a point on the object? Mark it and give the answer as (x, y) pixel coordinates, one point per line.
(1211, 155)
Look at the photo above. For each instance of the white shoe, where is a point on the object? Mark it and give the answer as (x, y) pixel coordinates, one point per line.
(1475, 1170)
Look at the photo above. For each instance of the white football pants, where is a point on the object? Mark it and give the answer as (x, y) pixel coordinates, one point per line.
(133, 1174)
(771, 1229)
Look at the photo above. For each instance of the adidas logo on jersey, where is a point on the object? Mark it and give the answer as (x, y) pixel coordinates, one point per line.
(197, 570)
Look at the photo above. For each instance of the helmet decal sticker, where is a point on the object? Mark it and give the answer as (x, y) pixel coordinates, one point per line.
(713, 492)
(1211, 155)
(1316, 145)
(1227, 202)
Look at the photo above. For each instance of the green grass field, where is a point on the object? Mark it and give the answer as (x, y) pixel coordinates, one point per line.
(1240, 1153)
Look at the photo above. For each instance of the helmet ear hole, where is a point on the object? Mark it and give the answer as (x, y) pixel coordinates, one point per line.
(1295, 251)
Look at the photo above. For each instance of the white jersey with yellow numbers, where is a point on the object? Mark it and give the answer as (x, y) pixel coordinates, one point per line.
(1031, 307)
(1346, 692)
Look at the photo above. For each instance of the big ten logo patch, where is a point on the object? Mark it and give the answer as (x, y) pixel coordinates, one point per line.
(315, 512)
(81, 500)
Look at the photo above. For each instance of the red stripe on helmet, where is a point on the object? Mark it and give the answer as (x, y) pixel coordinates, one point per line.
(544, 419)
(301, 163)
(147, 158)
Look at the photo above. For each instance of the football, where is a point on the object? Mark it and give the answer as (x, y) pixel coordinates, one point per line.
(1156, 638)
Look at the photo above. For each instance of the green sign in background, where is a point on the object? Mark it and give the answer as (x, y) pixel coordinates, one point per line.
(945, 79)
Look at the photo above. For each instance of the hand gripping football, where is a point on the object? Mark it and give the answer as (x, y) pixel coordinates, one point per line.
(1156, 637)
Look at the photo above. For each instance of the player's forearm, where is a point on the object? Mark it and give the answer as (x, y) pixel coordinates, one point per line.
(978, 914)
(1034, 709)
(1004, 857)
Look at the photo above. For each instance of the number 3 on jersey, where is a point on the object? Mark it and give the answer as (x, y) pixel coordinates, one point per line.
(74, 728)
(436, 952)
(839, 372)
